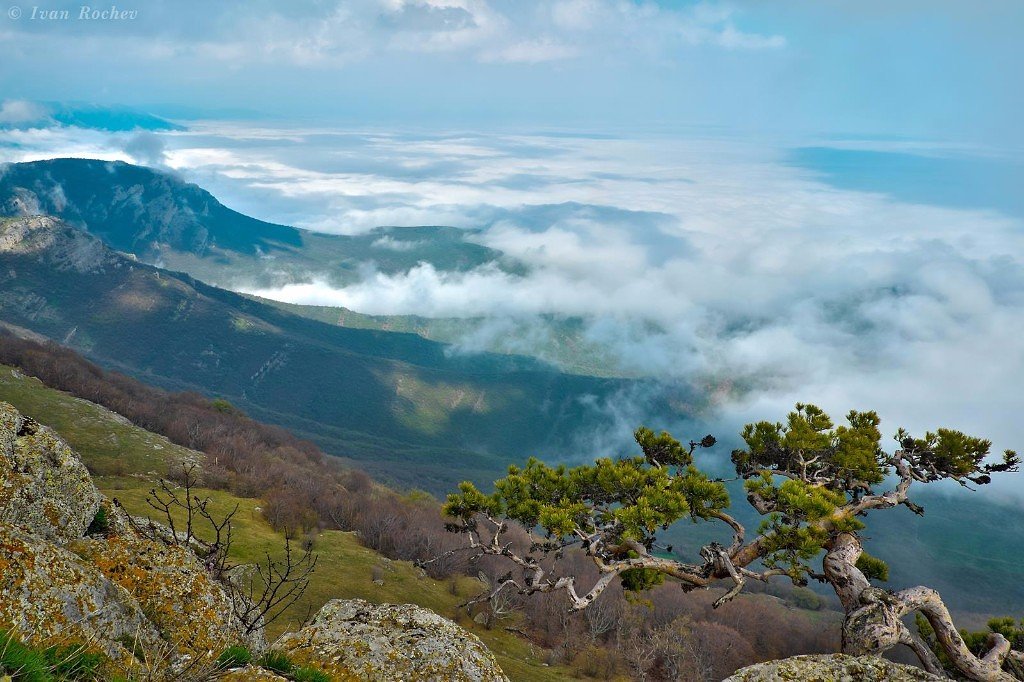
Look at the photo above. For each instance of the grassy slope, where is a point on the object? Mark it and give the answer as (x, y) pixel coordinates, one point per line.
(126, 459)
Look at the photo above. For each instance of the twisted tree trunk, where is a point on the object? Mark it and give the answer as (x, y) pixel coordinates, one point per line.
(874, 616)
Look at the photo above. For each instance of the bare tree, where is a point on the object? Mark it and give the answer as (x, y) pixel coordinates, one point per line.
(259, 592)
(272, 587)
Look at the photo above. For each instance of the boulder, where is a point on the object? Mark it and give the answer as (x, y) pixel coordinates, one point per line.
(44, 487)
(115, 590)
(354, 639)
(831, 668)
(191, 610)
(49, 594)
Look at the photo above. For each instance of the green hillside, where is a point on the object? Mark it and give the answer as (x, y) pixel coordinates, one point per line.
(126, 461)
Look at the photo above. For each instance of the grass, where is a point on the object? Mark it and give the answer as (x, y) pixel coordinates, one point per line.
(23, 663)
(126, 461)
(108, 443)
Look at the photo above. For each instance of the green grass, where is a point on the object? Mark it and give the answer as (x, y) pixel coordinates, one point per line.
(57, 663)
(107, 442)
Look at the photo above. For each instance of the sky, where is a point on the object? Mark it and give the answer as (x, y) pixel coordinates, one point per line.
(814, 201)
(943, 69)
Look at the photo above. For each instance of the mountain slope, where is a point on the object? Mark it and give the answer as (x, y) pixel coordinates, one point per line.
(405, 405)
(98, 436)
(161, 218)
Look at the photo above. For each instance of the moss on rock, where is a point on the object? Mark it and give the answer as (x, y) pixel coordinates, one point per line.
(354, 639)
(44, 487)
(831, 668)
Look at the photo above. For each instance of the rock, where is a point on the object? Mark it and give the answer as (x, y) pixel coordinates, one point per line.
(48, 592)
(44, 487)
(831, 668)
(354, 639)
(191, 610)
(116, 591)
(251, 673)
(56, 243)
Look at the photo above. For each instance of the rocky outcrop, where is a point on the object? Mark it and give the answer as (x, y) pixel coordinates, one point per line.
(114, 590)
(44, 487)
(251, 673)
(48, 594)
(189, 608)
(831, 668)
(56, 243)
(354, 639)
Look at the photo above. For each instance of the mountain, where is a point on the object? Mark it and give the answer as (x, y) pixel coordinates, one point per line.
(164, 220)
(92, 116)
(408, 408)
(134, 209)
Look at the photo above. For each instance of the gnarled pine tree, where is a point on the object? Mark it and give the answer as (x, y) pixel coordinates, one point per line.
(813, 482)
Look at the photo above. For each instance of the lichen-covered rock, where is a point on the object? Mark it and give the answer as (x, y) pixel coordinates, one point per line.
(44, 487)
(48, 594)
(831, 668)
(251, 673)
(191, 610)
(354, 639)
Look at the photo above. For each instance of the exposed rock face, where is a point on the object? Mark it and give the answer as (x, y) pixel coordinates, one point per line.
(831, 668)
(354, 639)
(190, 609)
(56, 243)
(115, 591)
(44, 487)
(47, 592)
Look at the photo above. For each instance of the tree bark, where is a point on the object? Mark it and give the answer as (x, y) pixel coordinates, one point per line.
(874, 616)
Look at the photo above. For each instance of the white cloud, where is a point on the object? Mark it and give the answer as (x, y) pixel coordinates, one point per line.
(14, 111)
(686, 257)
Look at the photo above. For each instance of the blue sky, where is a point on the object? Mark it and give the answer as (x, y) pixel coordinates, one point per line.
(941, 69)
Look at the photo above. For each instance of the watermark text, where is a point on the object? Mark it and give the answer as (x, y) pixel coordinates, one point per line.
(82, 13)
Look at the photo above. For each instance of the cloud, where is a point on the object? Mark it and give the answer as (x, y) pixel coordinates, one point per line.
(343, 32)
(680, 257)
(713, 259)
(147, 149)
(15, 112)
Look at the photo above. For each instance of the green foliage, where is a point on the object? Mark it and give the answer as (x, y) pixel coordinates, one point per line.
(640, 579)
(22, 663)
(71, 663)
(634, 496)
(100, 523)
(846, 457)
(306, 674)
(235, 657)
(804, 598)
(873, 568)
(947, 453)
(277, 661)
(223, 406)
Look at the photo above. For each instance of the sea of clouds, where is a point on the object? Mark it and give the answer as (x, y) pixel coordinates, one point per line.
(688, 255)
